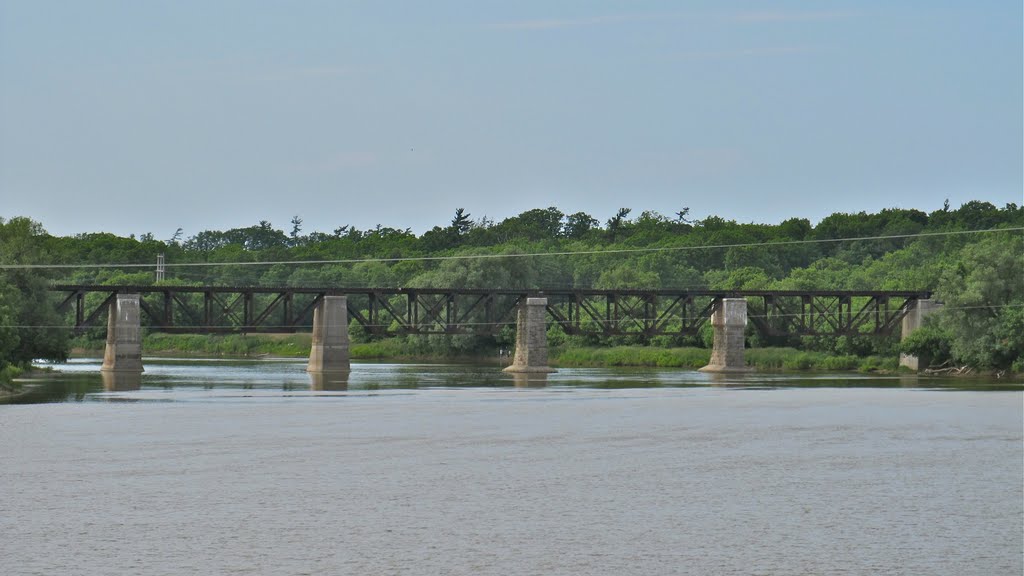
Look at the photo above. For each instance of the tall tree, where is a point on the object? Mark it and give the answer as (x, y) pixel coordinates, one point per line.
(461, 223)
(984, 303)
(615, 223)
(296, 229)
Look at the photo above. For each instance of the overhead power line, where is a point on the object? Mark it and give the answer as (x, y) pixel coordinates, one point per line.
(519, 255)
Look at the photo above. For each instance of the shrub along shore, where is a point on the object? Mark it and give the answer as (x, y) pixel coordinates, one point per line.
(406, 349)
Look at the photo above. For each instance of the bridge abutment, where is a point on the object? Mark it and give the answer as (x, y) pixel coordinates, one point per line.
(729, 322)
(912, 321)
(123, 351)
(329, 353)
(531, 354)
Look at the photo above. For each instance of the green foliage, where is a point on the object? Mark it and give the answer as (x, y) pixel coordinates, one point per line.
(744, 278)
(799, 361)
(29, 323)
(706, 335)
(461, 224)
(769, 358)
(878, 364)
(7, 375)
(977, 276)
(929, 342)
(290, 345)
(794, 359)
(1018, 365)
(380, 349)
(759, 358)
(839, 363)
(579, 225)
(632, 356)
(556, 337)
(9, 338)
(983, 293)
(627, 276)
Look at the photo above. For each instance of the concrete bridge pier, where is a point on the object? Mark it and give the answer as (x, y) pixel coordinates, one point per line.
(919, 310)
(729, 321)
(531, 354)
(123, 352)
(329, 353)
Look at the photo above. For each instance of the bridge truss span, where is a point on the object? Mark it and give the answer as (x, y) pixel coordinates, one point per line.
(398, 311)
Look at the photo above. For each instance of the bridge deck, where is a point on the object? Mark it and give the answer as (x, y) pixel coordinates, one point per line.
(334, 290)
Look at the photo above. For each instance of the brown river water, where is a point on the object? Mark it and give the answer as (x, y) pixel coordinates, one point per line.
(218, 468)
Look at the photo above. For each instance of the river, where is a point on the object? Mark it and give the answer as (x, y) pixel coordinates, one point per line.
(217, 467)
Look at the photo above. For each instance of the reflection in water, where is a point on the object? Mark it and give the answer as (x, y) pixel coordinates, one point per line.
(80, 379)
(530, 379)
(121, 381)
(909, 381)
(334, 382)
(720, 378)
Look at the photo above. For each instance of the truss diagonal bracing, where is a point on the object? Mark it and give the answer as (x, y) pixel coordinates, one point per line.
(396, 311)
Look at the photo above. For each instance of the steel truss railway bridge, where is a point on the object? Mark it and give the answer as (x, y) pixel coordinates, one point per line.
(399, 311)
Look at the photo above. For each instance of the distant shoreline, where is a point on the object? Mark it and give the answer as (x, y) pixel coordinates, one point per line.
(775, 360)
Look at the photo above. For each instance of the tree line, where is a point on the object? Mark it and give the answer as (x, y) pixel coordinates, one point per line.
(978, 276)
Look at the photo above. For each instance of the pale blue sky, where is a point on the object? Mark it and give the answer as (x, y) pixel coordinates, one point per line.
(135, 117)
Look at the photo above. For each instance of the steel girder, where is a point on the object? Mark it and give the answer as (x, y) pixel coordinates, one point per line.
(393, 311)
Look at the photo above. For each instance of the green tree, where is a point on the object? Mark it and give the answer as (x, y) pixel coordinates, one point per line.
(627, 276)
(461, 222)
(30, 324)
(578, 225)
(294, 237)
(983, 293)
(536, 225)
(617, 223)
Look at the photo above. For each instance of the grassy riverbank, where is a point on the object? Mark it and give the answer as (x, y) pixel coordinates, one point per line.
(9, 387)
(297, 346)
(247, 346)
(760, 358)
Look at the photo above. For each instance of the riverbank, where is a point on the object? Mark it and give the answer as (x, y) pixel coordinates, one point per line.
(263, 345)
(400, 349)
(789, 359)
(762, 359)
(11, 378)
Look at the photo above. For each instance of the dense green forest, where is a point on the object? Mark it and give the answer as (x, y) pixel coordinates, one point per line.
(979, 276)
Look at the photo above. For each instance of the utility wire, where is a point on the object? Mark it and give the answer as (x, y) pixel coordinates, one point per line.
(528, 255)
